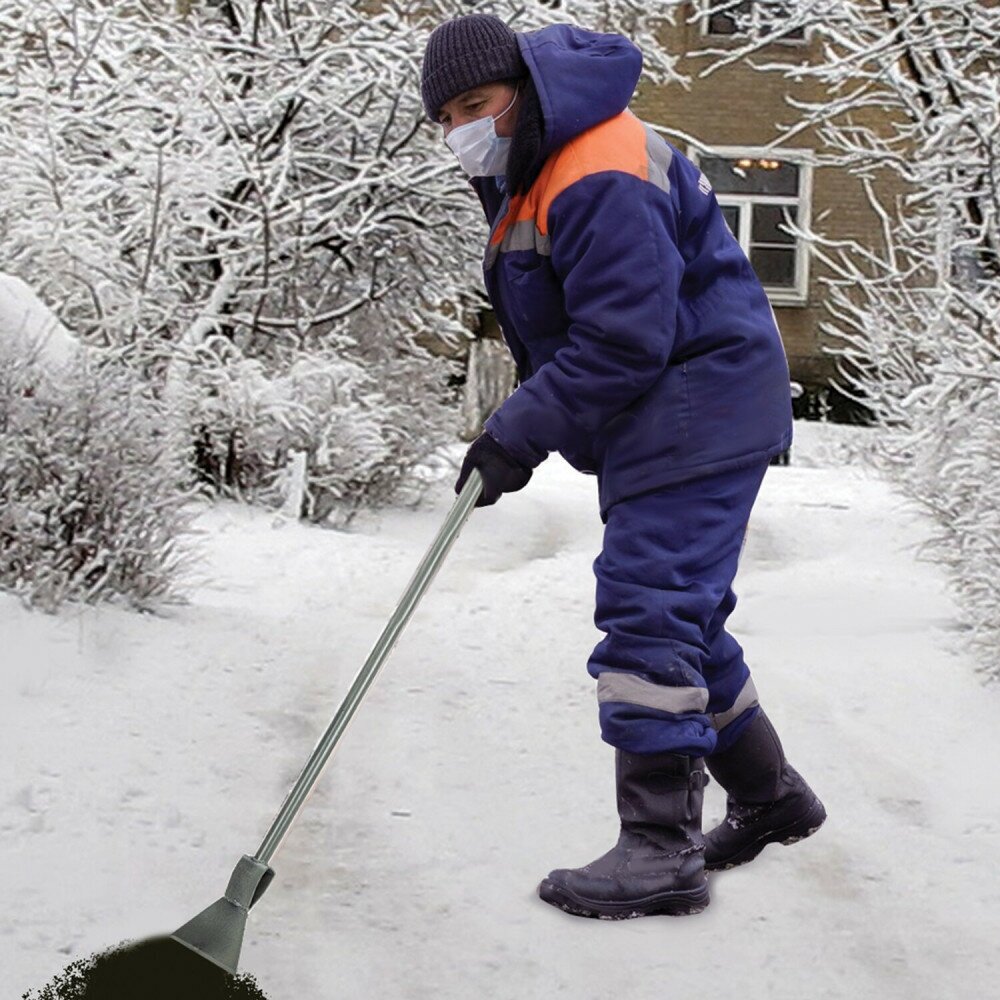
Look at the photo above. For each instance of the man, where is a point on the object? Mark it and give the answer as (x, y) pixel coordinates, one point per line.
(647, 354)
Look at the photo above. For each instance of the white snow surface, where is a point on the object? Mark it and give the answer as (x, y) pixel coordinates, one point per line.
(142, 755)
(29, 325)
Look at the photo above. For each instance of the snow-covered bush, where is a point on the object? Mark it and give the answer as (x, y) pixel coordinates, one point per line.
(92, 498)
(361, 440)
(357, 442)
(239, 420)
(948, 458)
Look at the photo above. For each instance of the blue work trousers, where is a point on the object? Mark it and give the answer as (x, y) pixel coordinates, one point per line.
(669, 675)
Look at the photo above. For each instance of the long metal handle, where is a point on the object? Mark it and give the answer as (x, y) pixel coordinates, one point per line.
(422, 578)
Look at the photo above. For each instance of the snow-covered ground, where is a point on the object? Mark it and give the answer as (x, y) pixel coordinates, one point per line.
(141, 756)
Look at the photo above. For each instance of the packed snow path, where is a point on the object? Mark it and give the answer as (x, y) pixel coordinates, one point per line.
(141, 756)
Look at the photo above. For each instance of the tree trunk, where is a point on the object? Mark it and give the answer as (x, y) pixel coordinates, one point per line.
(489, 380)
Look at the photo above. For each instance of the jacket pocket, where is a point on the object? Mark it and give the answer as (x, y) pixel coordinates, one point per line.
(535, 295)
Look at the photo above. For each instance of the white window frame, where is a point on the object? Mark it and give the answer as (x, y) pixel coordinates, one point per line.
(798, 294)
(707, 5)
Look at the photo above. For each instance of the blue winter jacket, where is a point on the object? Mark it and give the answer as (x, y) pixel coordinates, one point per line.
(646, 349)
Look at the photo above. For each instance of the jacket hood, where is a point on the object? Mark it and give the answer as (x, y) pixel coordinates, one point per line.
(582, 78)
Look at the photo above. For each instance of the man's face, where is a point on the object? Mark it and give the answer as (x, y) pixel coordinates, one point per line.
(489, 99)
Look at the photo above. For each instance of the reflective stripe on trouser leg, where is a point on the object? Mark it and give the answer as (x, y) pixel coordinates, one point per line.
(729, 725)
(664, 591)
(733, 695)
(614, 685)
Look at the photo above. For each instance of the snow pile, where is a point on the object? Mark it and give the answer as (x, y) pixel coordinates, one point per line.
(28, 328)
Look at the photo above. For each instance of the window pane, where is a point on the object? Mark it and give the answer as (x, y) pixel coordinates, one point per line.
(721, 24)
(738, 18)
(750, 175)
(774, 267)
(731, 213)
(725, 24)
(765, 221)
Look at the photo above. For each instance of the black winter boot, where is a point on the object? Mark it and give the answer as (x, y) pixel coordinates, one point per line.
(767, 799)
(657, 866)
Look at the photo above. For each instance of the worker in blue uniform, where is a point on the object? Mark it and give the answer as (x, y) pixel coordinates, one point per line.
(648, 355)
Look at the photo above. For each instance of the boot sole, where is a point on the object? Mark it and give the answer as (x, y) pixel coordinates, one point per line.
(790, 834)
(672, 904)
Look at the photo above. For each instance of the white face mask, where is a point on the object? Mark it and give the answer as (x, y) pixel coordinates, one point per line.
(480, 151)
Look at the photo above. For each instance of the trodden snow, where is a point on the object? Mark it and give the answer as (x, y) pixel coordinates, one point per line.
(141, 755)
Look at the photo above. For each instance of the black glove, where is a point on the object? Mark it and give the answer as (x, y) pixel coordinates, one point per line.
(501, 472)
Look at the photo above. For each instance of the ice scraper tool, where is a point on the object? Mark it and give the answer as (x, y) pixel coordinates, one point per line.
(217, 932)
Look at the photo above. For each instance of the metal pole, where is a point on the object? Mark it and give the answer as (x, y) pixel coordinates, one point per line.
(422, 578)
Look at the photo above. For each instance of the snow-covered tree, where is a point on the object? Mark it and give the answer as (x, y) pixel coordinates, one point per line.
(912, 90)
(240, 184)
(220, 188)
(241, 203)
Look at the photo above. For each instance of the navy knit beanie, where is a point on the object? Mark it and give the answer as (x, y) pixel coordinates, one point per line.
(467, 52)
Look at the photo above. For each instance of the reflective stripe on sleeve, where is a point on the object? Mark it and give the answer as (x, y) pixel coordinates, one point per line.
(660, 156)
